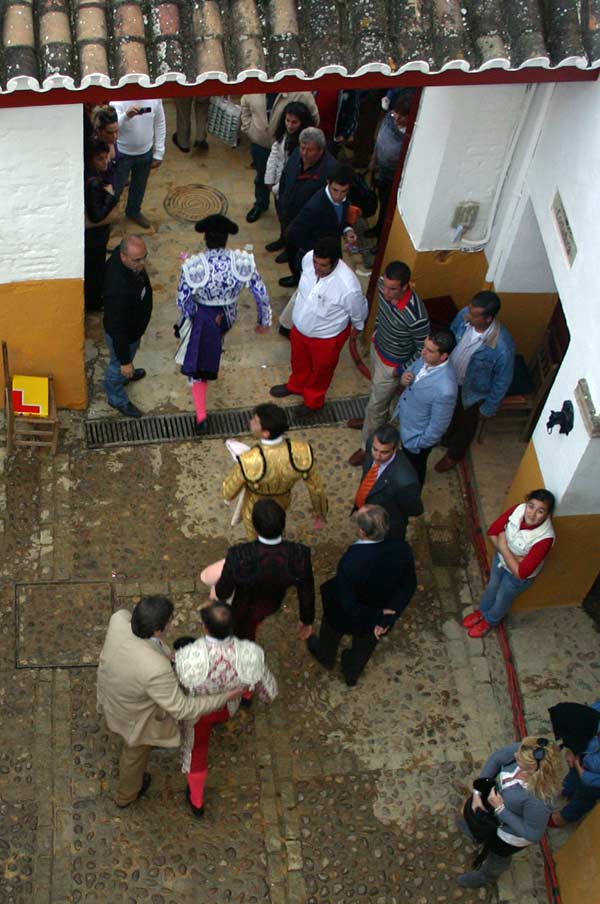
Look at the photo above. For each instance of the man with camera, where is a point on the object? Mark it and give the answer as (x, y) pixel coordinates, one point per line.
(141, 144)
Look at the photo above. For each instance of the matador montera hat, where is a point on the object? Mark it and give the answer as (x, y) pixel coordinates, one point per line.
(217, 223)
(575, 724)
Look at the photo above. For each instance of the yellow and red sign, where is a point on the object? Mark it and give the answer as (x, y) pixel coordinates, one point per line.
(30, 395)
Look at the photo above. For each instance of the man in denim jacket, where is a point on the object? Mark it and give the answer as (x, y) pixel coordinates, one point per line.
(484, 360)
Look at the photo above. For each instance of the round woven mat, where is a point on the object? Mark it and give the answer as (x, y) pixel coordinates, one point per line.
(189, 203)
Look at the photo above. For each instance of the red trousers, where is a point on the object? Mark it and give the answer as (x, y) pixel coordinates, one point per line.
(199, 767)
(313, 365)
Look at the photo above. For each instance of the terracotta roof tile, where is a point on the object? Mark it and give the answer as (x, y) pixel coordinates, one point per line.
(110, 43)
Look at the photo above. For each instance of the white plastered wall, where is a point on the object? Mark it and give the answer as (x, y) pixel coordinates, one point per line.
(41, 211)
(530, 142)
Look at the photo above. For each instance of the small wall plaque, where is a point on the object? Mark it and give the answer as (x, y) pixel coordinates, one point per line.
(564, 228)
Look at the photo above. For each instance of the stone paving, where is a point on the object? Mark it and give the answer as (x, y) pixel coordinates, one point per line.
(330, 794)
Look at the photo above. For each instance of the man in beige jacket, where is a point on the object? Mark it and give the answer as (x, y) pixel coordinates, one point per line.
(138, 692)
(260, 115)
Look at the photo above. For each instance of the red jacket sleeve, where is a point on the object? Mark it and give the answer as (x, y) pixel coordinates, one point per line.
(535, 557)
(500, 523)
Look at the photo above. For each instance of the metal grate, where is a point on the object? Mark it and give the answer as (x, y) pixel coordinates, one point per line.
(172, 428)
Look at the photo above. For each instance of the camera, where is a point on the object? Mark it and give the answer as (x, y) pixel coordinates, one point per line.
(145, 109)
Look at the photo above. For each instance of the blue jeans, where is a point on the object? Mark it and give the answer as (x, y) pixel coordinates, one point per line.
(502, 589)
(262, 194)
(139, 166)
(114, 381)
(581, 797)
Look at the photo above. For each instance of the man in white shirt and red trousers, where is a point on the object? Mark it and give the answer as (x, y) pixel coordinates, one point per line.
(329, 304)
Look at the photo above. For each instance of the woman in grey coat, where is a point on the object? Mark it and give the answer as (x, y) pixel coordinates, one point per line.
(510, 805)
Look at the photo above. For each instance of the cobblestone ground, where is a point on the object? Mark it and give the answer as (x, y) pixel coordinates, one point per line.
(329, 795)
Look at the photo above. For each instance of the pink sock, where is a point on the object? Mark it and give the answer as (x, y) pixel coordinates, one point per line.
(199, 395)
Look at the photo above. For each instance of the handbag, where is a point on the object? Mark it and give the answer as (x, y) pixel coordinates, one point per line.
(224, 119)
(363, 195)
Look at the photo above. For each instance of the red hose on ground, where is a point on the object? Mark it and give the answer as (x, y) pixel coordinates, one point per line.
(514, 689)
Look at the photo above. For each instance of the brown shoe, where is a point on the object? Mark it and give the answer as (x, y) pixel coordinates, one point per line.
(141, 220)
(445, 464)
(355, 423)
(357, 458)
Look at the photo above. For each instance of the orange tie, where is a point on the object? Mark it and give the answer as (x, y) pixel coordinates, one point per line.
(368, 482)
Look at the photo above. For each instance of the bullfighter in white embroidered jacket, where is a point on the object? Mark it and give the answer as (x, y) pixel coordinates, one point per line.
(215, 663)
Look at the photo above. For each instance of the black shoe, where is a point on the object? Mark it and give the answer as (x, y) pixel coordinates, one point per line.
(283, 331)
(146, 781)
(280, 391)
(349, 677)
(282, 258)
(201, 428)
(138, 374)
(312, 645)
(202, 146)
(289, 282)
(128, 410)
(177, 145)
(371, 233)
(277, 245)
(305, 411)
(197, 811)
(253, 215)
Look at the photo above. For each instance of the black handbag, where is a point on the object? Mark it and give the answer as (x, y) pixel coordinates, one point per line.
(362, 195)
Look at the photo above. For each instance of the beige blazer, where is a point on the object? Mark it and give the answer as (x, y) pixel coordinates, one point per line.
(138, 692)
(254, 122)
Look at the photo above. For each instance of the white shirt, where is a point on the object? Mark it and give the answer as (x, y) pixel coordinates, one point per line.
(428, 369)
(324, 307)
(466, 348)
(139, 134)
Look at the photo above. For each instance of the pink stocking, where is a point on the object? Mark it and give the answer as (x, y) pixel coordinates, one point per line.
(199, 389)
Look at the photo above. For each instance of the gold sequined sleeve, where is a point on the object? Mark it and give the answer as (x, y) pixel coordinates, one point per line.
(233, 483)
(317, 493)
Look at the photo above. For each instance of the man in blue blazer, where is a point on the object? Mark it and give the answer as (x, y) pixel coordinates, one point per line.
(325, 214)
(374, 583)
(427, 403)
(484, 360)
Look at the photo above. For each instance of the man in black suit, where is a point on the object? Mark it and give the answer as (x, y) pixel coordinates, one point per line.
(257, 574)
(389, 480)
(374, 583)
(325, 214)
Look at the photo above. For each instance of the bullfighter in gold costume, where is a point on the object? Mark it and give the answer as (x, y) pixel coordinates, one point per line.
(272, 467)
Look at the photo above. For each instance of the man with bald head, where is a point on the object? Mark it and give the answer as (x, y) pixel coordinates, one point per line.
(127, 312)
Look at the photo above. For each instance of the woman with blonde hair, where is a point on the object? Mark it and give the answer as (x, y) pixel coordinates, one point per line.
(510, 805)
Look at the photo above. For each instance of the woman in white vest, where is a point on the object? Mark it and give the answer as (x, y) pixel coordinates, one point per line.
(523, 537)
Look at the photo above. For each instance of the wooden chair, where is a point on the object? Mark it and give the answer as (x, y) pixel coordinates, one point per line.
(530, 387)
(27, 428)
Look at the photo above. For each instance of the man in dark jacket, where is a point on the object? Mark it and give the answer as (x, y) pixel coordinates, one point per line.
(127, 312)
(307, 170)
(374, 583)
(258, 574)
(326, 214)
(389, 480)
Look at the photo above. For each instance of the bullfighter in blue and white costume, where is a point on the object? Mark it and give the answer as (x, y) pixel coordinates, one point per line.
(209, 288)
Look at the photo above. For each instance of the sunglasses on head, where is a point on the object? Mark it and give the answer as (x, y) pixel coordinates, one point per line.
(539, 751)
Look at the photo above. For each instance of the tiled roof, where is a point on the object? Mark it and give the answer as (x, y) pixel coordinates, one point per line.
(76, 44)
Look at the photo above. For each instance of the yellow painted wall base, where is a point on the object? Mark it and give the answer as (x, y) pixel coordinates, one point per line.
(43, 324)
(572, 565)
(577, 863)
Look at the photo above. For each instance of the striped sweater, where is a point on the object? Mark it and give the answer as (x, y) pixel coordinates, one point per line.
(400, 334)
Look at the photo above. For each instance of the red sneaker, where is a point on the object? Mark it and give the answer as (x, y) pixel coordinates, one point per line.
(482, 628)
(472, 619)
